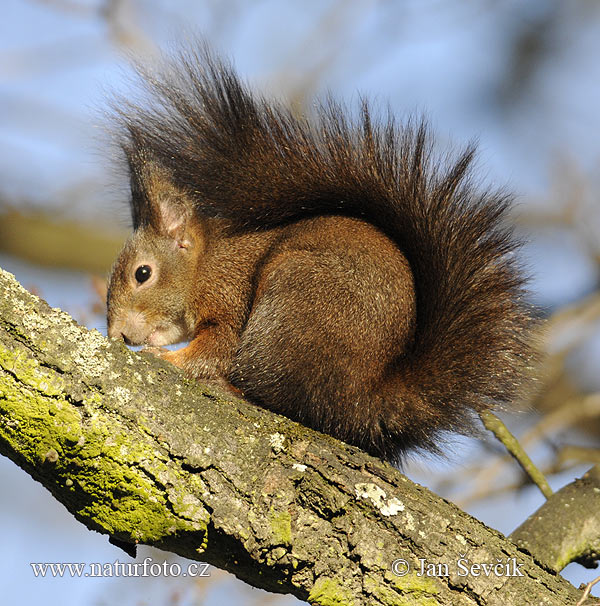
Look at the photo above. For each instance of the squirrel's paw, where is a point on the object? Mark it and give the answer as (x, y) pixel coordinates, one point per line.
(165, 354)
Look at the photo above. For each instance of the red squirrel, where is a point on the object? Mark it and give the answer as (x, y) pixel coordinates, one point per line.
(327, 267)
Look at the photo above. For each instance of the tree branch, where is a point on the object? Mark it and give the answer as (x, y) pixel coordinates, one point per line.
(134, 450)
(577, 537)
(498, 428)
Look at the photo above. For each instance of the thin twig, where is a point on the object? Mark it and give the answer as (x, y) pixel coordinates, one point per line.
(587, 590)
(499, 429)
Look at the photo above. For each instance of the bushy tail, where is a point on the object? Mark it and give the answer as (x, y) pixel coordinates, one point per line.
(257, 164)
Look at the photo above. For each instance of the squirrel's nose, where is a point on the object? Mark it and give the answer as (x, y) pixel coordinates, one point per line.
(130, 326)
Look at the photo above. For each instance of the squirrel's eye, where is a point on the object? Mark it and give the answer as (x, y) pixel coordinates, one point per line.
(142, 273)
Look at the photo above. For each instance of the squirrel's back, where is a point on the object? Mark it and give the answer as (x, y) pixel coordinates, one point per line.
(253, 163)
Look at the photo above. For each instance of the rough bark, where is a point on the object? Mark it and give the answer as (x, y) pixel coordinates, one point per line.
(134, 450)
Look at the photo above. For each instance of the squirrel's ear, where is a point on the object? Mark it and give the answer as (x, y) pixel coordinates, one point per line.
(156, 201)
(173, 219)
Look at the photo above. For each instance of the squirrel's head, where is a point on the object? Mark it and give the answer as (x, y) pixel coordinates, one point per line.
(150, 289)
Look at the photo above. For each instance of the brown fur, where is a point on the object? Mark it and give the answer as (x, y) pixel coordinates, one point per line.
(327, 268)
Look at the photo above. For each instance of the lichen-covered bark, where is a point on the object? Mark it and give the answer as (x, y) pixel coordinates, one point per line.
(577, 536)
(136, 451)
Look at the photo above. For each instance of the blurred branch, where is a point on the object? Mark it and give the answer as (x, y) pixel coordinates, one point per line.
(36, 238)
(70, 6)
(122, 19)
(570, 413)
(577, 454)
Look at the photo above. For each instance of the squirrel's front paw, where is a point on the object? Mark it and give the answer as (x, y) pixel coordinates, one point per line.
(165, 354)
(175, 357)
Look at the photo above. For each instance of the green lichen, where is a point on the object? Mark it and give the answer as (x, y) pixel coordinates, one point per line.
(109, 471)
(124, 500)
(281, 527)
(329, 592)
(33, 422)
(404, 591)
(413, 583)
(567, 556)
(29, 372)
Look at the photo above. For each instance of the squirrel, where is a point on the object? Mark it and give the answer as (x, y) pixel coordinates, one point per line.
(329, 268)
